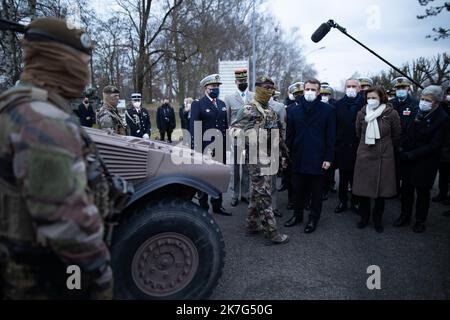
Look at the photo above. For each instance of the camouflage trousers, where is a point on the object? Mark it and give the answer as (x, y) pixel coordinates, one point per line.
(260, 207)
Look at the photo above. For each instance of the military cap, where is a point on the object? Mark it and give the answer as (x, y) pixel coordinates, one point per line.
(365, 81)
(211, 79)
(296, 87)
(401, 82)
(264, 80)
(136, 96)
(60, 31)
(110, 90)
(326, 89)
(241, 74)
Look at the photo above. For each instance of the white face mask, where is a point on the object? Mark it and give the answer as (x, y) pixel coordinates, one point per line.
(325, 99)
(373, 103)
(137, 104)
(425, 105)
(310, 96)
(448, 98)
(351, 92)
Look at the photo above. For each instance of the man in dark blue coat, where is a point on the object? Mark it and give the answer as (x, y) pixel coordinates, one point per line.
(407, 108)
(86, 113)
(211, 113)
(311, 133)
(346, 140)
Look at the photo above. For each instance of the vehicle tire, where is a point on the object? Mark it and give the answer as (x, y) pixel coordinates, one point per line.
(167, 250)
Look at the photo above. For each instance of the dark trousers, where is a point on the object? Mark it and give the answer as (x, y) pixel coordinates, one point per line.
(444, 172)
(286, 180)
(345, 178)
(162, 134)
(422, 202)
(216, 203)
(365, 210)
(329, 179)
(306, 186)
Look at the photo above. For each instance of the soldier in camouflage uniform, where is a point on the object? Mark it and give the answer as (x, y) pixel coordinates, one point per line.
(48, 219)
(258, 115)
(108, 117)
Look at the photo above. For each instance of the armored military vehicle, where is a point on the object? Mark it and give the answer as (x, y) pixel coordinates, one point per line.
(164, 246)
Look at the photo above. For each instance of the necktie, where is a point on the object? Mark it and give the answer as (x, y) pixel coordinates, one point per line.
(214, 103)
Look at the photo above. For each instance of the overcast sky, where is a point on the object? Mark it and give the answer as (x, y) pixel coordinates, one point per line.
(396, 34)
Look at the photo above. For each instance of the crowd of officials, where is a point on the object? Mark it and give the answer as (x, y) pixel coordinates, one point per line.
(382, 143)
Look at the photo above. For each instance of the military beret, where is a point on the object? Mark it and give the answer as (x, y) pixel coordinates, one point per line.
(296, 87)
(365, 81)
(211, 79)
(241, 74)
(60, 31)
(401, 82)
(110, 90)
(264, 80)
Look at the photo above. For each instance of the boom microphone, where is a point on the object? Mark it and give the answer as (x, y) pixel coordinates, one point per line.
(11, 26)
(321, 32)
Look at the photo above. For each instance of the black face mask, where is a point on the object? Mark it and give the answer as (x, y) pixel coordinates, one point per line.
(243, 86)
(298, 98)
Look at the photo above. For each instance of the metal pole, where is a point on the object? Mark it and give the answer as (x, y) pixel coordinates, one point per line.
(254, 46)
(344, 31)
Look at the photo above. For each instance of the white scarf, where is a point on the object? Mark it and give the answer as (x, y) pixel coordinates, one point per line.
(373, 130)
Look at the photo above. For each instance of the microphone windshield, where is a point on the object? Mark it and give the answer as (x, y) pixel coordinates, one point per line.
(321, 32)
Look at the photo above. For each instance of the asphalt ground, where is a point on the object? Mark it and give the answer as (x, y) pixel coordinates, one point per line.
(332, 262)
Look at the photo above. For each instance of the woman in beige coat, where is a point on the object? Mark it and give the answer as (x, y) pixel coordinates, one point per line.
(378, 127)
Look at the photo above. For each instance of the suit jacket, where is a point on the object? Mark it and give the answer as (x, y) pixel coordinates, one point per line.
(211, 117)
(311, 136)
(235, 102)
(86, 115)
(138, 123)
(165, 118)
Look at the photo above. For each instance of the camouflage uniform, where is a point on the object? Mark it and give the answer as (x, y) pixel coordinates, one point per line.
(108, 116)
(258, 116)
(48, 219)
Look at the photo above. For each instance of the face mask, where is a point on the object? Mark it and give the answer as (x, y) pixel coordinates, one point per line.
(86, 101)
(291, 97)
(243, 86)
(373, 103)
(310, 96)
(137, 104)
(351, 93)
(448, 98)
(325, 99)
(214, 93)
(263, 95)
(298, 98)
(401, 94)
(425, 105)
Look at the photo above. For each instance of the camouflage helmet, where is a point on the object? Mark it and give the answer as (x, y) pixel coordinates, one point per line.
(60, 31)
(296, 87)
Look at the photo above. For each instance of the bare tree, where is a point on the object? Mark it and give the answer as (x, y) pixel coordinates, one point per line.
(431, 11)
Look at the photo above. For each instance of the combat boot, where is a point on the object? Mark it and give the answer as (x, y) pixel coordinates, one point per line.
(278, 238)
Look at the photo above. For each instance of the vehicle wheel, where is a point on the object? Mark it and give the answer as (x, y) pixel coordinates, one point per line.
(169, 250)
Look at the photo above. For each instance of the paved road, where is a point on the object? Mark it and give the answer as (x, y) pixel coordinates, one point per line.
(332, 262)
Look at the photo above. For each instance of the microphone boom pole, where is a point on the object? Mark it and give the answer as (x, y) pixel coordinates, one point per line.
(333, 24)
